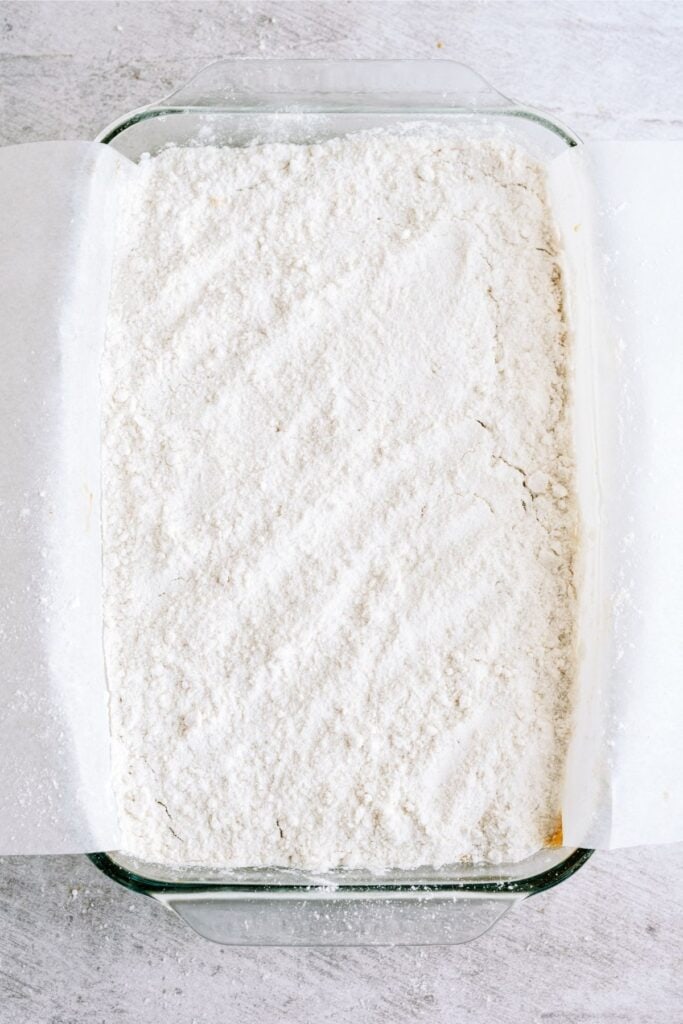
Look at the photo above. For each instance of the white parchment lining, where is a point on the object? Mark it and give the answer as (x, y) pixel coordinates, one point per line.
(620, 214)
(619, 207)
(56, 240)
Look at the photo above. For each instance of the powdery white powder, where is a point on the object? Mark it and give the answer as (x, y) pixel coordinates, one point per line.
(339, 518)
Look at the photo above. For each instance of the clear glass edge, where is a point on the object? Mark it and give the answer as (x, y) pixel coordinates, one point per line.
(108, 135)
(525, 886)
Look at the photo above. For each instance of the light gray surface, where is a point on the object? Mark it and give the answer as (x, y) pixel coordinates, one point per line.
(605, 946)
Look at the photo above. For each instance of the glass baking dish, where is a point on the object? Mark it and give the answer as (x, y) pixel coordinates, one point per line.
(234, 103)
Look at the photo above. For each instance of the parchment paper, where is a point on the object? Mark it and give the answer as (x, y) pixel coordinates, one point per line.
(620, 211)
(56, 237)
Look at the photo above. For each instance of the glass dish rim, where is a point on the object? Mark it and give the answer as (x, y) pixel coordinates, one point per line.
(167, 106)
(576, 857)
(528, 886)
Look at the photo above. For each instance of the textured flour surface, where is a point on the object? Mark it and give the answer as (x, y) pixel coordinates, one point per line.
(338, 518)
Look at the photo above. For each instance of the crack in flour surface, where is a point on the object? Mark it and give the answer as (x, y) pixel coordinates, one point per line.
(339, 521)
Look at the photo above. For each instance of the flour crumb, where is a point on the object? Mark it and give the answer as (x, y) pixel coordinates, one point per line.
(339, 519)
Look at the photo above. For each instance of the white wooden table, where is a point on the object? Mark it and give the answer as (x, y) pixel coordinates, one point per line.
(605, 946)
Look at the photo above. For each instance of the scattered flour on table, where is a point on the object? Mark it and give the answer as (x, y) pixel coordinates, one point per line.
(339, 518)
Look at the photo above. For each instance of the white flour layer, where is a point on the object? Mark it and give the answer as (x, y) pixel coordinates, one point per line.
(339, 519)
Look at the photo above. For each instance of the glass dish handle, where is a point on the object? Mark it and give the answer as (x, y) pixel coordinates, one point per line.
(325, 920)
(335, 85)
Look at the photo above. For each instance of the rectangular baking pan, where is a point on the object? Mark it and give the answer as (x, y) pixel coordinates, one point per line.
(234, 103)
